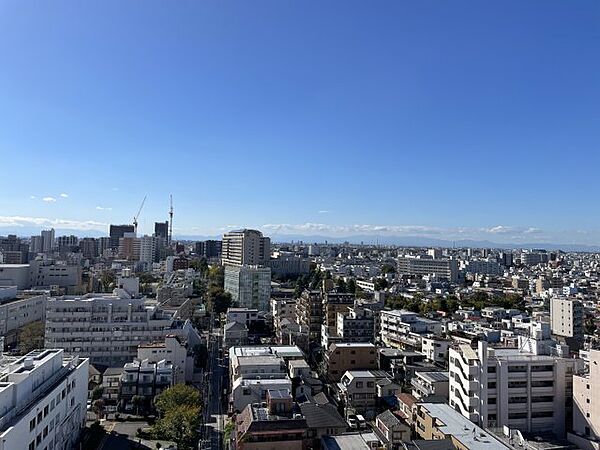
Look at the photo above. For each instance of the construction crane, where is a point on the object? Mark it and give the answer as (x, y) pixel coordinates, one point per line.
(171, 220)
(135, 218)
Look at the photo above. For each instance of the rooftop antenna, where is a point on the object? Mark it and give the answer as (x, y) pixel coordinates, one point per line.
(135, 218)
(170, 220)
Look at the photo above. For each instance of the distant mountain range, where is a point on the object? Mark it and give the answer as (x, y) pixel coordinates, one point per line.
(408, 241)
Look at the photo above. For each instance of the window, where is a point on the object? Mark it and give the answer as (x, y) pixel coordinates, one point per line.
(32, 424)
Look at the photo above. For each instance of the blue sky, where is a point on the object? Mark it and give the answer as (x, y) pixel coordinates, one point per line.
(447, 119)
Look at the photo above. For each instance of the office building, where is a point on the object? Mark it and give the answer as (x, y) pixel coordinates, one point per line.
(245, 247)
(161, 230)
(89, 247)
(249, 286)
(43, 401)
(209, 249)
(116, 232)
(48, 240)
(66, 244)
(16, 311)
(35, 244)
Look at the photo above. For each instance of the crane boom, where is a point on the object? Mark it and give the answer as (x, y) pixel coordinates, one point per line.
(170, 220)
(135, 218)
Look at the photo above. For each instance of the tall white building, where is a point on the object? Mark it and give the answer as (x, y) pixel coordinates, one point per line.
(526, 388)
(47, 240)
(43, 401)
(442, 268)
(105, 328)
(16, 312)
(35, 244)
(586, 404)
(249, 286)
(566, 317)
(245, 247)
(148, 246)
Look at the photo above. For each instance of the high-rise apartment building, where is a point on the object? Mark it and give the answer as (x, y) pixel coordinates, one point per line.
(245, 247)
(35, 244)
(67, 243)
(442, 268)
(528, 388)
(148, 248)
(566, 317)
(249, 286)
(89, 247)
(47, 240)
(43, 401)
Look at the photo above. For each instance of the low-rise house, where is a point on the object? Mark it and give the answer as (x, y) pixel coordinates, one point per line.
(391, 430)
(430, 384)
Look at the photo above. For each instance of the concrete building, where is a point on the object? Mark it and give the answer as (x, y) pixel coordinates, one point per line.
(289, 265)
(17, 311)
(435, 349)
(343, 357)
(586, 405)
(43, 401)
(526, 388)
(566, 317)
(401, 328)
(89, 247)
(438, 421)
(148, 249)
(48, 243)
(103, 327)
(15, 275)
(309, 313)
(174, 352)
(146, 379)
(245, 247)
(442, 268)
(46, 273)
(209, 249)
(116, 232)
(249, 286)
(429, 384)
(161, 230)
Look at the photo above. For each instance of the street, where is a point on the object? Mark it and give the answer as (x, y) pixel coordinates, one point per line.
(215, 382)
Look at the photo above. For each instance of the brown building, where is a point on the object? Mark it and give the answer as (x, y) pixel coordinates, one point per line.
(309, 312)
(335, 302)
(271, 427)
(349, 356)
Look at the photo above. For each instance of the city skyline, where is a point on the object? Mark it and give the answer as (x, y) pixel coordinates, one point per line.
(444, 122)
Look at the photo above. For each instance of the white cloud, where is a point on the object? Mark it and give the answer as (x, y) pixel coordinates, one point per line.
(323, 211)
(63, 195)
(49, 199)
(32, 197)
(43, 222)
(103, 208)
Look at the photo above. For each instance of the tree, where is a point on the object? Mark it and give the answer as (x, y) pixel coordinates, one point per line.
(31, 337)
(137, 401)
(98, 407)
(181, 425)
(97, 393)
(218, 300)
(341, 285)
(351, 286)
(388, 268)
(107, 280)
(380, 284)
(177, 395)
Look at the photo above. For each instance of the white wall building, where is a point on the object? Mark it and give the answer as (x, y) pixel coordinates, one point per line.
(526, 388)
(566, 317)
(43, 401)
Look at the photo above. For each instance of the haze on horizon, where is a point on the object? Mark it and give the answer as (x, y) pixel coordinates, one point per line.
(447, 121)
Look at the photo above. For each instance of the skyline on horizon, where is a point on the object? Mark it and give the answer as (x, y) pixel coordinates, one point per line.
(438, 121)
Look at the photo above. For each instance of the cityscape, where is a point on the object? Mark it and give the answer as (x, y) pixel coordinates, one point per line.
(285, 225)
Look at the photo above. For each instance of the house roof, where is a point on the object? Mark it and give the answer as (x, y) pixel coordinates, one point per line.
(322, 415)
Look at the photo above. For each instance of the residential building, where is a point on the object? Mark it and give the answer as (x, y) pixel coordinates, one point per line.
(16, 311)
(309, 313)
(404, 329)
(148, 249)
(437, 421)
(174, 352)
(43, 401)
(435, 349)
(430, 384)
(48, 243)
(442, 268)
(145, 379)
(161, 230)
(249, 286)
(527, 388)
(107, 328)
(245, 247)
(566, 317)
(89, 247)
(342, 357)
(392, 431)
(209, 249)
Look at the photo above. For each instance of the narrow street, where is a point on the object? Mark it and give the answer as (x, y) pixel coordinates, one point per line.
(214, 414)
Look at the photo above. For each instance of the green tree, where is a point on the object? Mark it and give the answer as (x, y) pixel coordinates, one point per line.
(180, 425)
(388, 268)
(380, 284)
(97, 393)
(341, 285)
(177, 395)
(351, 286)
(138, 402)
(30, 337)
(107, 280)
(218, 300)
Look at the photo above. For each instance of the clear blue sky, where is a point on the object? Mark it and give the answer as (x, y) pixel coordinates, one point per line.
(475, 119)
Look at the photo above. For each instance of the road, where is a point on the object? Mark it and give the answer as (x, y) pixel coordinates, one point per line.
(215, 382)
